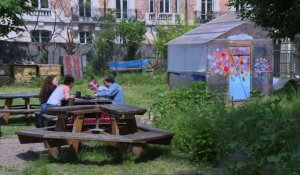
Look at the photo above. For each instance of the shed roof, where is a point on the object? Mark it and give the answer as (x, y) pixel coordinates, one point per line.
(210, 30)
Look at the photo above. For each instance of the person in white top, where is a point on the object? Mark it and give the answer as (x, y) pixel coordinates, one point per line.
(62, 92)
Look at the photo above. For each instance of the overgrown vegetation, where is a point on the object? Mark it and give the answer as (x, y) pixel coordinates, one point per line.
(132, 33)
(261, 136)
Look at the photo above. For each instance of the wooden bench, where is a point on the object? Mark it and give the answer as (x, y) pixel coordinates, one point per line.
(139, 137)
(140, 65)
(53, 138)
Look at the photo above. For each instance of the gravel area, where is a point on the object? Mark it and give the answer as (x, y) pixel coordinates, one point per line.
(14, 153)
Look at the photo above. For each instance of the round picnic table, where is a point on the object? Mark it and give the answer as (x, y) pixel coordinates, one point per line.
(9, 108)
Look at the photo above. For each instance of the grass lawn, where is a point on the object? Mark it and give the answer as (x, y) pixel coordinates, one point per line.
(95, 158)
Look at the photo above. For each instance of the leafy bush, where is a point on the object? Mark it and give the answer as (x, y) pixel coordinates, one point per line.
(264, 136)
(192, 114)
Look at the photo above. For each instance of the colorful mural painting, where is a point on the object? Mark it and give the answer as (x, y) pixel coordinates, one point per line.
(234, 62)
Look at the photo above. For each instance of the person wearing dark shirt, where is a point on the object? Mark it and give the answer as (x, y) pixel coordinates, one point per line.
(47, 88)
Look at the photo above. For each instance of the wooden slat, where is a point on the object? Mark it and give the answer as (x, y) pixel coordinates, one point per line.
(19, 111)
(147, 136)
(122, 109)
(87, 137)
(19, 95)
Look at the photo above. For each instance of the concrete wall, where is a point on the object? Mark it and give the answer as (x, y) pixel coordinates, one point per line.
(16, 52)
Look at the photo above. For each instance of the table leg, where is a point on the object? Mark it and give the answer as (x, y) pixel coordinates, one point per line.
(59, 126)
(7, 105)
(131, 124)
(27, 107)
(77, 127)
(115, 126)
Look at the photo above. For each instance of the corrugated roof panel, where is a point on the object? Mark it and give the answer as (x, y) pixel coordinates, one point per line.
(209, 31)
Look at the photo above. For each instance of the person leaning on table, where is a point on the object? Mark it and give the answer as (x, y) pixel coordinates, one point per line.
(115, 91)
(62, 92)
(96, 87)
(48, 86)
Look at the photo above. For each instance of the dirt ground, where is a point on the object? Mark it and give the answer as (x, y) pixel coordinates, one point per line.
(13, 153)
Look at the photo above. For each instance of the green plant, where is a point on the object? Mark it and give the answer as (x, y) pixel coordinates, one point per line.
(193, 114)
(105, 42)
(264, 136)
(132, 33)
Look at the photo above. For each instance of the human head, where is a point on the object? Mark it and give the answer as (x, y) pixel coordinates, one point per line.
(50, 82)
(93, 84)
(108, 81)
(69, 80)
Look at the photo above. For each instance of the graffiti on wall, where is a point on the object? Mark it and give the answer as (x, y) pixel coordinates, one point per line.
(261, 66)
(233, 62)
(72, 65)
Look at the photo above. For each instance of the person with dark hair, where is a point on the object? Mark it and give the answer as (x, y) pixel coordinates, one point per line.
(62, 92)
(96, 88)
(115, 91)
(47, 88)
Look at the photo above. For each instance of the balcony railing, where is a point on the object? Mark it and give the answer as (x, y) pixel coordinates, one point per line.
(203, 17)
(127, 14)
(86, 14)
(41, 12)
(94, 14)
(163, 18)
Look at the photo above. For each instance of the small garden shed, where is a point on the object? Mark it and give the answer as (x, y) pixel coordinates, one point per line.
(234, 56)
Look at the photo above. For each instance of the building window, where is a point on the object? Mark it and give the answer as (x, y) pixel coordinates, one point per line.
(177, 6)
(164, 6)
(40, 36)
(151, 6)
(85, 37)
(121, 9)
(206, 10)
(85, 8)
(44, 4)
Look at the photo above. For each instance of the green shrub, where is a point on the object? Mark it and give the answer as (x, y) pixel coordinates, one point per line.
(192, 114)
(264, 136)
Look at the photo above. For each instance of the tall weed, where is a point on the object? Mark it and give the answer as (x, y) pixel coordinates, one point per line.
(192, 114)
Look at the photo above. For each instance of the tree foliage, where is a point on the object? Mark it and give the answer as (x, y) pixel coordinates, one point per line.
(105, 41)
(164, 34)
(133, 33)
(280, 18)
(10, 15)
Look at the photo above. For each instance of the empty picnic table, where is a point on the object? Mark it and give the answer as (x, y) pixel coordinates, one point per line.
(10, 109)
(124, 134)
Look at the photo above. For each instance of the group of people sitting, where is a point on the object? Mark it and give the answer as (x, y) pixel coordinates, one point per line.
(53, 94)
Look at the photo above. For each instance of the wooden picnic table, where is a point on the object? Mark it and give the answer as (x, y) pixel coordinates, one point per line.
(126, 112)
(9, 108)
(92, 101)
(124, 133)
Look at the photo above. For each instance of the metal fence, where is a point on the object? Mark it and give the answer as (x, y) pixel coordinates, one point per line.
(286, 64)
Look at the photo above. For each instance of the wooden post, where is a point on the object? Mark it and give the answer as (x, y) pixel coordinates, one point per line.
(131, 124)
(27, 107)
(77, 127)
(7, 105)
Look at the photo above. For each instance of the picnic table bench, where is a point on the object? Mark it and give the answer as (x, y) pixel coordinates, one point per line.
(124, 133)
(141, 65)
(10, 109)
